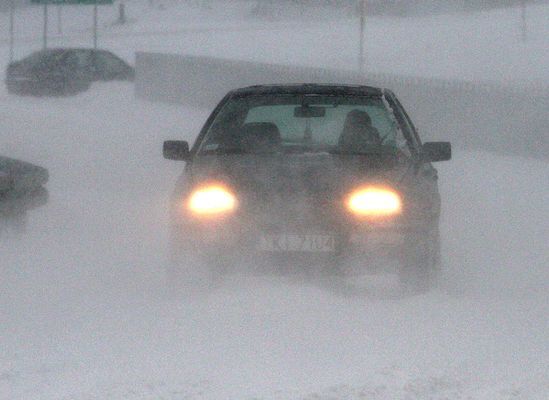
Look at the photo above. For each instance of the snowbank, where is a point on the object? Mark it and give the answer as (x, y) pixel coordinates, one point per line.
(84, 315)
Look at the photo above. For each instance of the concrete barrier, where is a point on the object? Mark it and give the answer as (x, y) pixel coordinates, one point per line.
(504, 119)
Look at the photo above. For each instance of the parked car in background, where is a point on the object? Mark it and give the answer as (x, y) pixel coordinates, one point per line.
(64, 71)
(19, 176)
(4, 182)
(22, 188)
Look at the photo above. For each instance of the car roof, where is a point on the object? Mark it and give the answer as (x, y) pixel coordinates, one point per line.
(309, 89)
(54, 49)
(61, 50)
(39, 55)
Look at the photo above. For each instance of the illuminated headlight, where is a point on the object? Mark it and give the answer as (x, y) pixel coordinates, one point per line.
(211, 200)
(374, 202)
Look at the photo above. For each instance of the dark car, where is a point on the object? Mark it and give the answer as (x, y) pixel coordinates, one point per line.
(311, 174)
(64, 71)
(18, 176)
(22, 188)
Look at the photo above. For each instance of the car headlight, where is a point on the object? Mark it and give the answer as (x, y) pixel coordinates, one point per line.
(211, 200)
(374, 202)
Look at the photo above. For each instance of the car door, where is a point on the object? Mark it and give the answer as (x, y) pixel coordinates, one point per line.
(78, 65)
(425, 176)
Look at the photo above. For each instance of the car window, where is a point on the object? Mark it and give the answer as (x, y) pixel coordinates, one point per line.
(108, 62)
(326, 129)
(322, 132)
(407, 128)
(81, 58)
(36, 57)
(49, 62)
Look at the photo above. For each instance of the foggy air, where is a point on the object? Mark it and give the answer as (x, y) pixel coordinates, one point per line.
(275, 200)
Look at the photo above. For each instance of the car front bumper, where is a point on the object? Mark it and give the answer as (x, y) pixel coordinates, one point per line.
(17, 203)
(242, 240)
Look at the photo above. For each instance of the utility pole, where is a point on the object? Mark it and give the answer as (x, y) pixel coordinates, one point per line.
(122, 13)
(95, 25)
(524, 26)
(362, 11)
(59, 19)
(45, 38)
(12, 28)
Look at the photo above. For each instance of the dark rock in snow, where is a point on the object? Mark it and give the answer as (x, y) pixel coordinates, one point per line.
(21, 186)
(20, 176)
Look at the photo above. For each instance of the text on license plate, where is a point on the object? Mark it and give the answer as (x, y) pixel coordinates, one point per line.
(297, 243)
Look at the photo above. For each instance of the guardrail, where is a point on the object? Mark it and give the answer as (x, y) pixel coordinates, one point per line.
(504, 119)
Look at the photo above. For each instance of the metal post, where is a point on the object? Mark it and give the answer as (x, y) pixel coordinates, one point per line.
(95, 26)
(12, 30)
(122, 13)
(524, 26)
(362, 9)
(45, 42)
(59, 19)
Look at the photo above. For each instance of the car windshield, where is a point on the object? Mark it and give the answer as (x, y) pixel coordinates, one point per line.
(291, 123)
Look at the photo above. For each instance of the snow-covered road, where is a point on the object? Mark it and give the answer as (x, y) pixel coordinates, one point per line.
(83, 315)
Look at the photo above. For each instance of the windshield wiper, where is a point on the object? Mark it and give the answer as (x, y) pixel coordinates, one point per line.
(230, 150)
(376, 151)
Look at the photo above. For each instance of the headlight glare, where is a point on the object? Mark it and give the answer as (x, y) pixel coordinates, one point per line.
(374, 202)
(211, 200)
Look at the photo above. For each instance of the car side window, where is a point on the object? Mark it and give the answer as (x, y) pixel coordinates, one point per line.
(72, 62)
(405, 124)
(49, 62)
(82, 59)
(415, 136)
(108, 62)
(45, 64)
(402, 144)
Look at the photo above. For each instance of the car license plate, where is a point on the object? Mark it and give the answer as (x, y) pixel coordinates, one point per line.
(298, 243)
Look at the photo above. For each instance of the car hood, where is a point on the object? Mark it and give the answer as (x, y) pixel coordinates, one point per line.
(5, 181)
(21, 176)
(299, 174)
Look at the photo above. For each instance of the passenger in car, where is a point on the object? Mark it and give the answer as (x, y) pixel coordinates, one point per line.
(358, 132)
(260, 137)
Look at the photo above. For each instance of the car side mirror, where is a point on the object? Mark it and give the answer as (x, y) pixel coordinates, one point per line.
(176, 150)
(437, 151)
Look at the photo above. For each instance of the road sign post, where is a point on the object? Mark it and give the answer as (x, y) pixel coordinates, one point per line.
(59, 19)
(362, 11)
(75, 2)
(45, 30)
(524, 25)
(94, 3)
(95, 26)
(12, 30)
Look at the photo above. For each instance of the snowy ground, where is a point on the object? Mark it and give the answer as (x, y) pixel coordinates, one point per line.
(480, 47)
(83, 315)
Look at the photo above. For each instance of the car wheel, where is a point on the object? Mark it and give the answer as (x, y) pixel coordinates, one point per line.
(420, 267)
